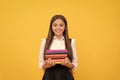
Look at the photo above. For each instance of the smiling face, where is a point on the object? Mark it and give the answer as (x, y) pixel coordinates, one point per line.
(58, 27)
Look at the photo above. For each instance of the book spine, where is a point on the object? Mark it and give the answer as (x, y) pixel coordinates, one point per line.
(56, 56)
(58, 61)
(56, 50)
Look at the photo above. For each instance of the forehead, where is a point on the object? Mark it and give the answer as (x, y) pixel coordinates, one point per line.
(58, 21)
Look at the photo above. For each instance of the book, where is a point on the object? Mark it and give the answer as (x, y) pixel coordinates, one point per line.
(58, 61)
(56, 51)
(57, 56)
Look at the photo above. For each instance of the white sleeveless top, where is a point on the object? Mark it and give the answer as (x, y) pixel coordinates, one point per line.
(57, 44)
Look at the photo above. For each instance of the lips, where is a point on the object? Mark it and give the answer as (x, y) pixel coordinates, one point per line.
(58, 31)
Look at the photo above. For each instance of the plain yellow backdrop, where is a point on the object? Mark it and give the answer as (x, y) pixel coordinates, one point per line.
(95, 24)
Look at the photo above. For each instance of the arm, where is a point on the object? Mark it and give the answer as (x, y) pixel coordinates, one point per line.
(41, 54)
(75, 58)
(74, 63)
(44, 64)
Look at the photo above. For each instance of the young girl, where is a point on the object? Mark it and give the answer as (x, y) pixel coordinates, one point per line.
(58, 39)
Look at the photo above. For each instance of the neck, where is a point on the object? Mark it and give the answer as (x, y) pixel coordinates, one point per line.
(59, 36)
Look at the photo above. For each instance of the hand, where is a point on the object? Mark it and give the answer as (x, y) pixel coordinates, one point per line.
(48, 63)
(67, 63)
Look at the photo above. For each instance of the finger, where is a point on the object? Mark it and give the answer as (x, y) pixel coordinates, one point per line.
(66, 58)
(49, 58)
(45, 62)
(63, 63)
(52, 63)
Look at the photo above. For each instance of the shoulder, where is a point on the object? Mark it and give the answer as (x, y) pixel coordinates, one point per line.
(43, 40)
(73, 40)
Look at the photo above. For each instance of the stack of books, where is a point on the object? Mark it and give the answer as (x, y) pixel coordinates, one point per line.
(57, 56)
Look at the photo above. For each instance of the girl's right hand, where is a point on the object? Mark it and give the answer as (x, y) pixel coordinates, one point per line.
(48, 63)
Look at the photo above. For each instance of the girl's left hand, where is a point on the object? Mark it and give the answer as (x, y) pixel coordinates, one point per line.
(67, 63)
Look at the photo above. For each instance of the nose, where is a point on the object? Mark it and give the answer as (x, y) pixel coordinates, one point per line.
(58, 26)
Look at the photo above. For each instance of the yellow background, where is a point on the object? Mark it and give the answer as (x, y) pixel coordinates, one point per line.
(94, 23)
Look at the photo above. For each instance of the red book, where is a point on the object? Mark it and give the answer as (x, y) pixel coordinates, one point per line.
(56, 56)
(58, 61)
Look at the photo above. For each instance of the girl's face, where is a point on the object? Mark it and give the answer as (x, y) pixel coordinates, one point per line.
(58, 27)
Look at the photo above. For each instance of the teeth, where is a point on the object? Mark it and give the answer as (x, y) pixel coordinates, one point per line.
(58, 31)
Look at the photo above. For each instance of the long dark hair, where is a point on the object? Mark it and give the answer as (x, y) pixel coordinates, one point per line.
(65, 34)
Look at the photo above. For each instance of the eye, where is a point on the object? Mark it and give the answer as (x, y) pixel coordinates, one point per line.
(54, 25)
(61, 25)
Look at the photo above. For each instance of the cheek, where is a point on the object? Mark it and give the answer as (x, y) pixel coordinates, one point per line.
(53, 28)
(63, 28)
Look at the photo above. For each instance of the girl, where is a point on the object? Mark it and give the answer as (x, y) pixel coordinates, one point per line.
(58, 39)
